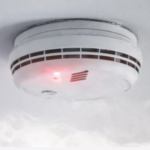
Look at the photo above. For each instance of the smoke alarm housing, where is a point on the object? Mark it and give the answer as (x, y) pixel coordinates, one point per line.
(76, 59)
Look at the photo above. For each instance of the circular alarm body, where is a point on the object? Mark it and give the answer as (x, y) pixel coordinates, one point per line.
(76, 59)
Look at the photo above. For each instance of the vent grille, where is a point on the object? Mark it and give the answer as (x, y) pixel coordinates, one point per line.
(93, 53)
(79, 76)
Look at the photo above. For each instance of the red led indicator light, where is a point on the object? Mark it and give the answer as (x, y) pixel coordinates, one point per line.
(56, 75)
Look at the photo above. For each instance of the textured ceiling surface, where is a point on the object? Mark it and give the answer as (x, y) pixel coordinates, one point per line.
(120, 121)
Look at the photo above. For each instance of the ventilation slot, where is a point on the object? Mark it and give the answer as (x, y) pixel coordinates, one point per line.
(79, 76)
(138, 63)
(53, 57)
(25, 63)
(122, 55)
(92, 50)
(36, 54)
(132, 58)
(37, 60)
(79, 79)
(15, 62)
(106, 58)
(24, 57)
(90, 56)
(121, 61)
(53, 51)
(71, 56)
(137, 69)
(15, 69)
(131, 65)
(83, 72)
(71, 50)
(107, 52)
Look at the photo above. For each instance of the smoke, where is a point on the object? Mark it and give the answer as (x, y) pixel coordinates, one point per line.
(88, 124)
(20, 129)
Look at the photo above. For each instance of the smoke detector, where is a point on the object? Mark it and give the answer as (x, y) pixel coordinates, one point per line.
(76, 59)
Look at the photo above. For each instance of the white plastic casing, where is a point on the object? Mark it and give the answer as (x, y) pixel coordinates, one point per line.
(77, 59)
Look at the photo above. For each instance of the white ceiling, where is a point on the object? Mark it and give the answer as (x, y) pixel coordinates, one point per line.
(121, 120)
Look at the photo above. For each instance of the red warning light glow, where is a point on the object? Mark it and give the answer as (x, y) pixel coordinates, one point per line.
(56, 73)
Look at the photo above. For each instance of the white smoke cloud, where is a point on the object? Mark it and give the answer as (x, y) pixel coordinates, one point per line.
(20, 129)
(103, 123)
